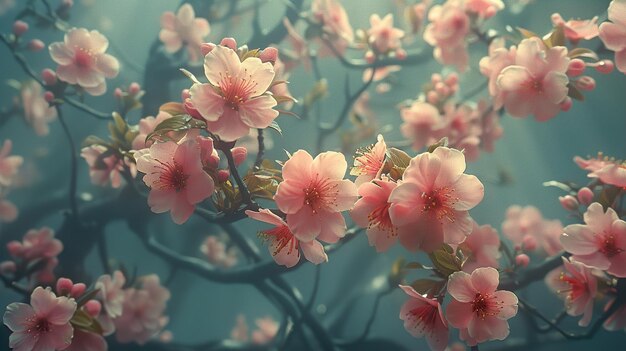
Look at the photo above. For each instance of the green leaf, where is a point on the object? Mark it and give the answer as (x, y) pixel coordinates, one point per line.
(424, 286)
(445, 261)
(415, 265)
(177, 123)
(276, 127)
(608, 196)
(583, 52)
(190, 76)
(557, 38)
(94, 140)
(83, 321)
(565, 186)
(173, 108)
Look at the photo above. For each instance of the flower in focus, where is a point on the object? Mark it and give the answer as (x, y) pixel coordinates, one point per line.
(608, 170)
(423, 317)
(600, 242)
(82, 60)
(576, 30)
(284, 246)
(110, 290)
(235, 98)
(477, 308)
(174, 174)
(266, 330)
(449, 25)
(433, 200)
(183, 28)
(613, 34)
(37, 111)
(313, 194)
(383, 36)
(370, 162)
(42, 325)
(482, 248)
(104, 166)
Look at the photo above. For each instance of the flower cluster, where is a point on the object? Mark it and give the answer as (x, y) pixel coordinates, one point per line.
(36, 254)
(529, 231)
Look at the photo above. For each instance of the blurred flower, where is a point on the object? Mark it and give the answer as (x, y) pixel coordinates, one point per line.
(449, 25)
(37, 111)
(613, 34)
(110, 290)
(606, 169)
(215, 251)
(147, 126)
(104, 166)
(382, 35)
(266, 330)
(183, 28)
(482, 248)
(576, 30)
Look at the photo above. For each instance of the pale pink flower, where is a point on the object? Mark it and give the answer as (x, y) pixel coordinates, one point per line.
(280, 88)
(613, 34)
(283, 245)
(235, 98)
(335, 22)
(422, 124)
(369, 162)
(484, 8)
(216, 253)
(537, 83)
(382, 35)
(9, 164)
(86, 341)
(183, 28)
(600, 242)
(38, 245)
(174, 174)
(142, 314)
(266, 330)
(371, 211)
(608, 170)
(111, 293)
(313, 194)
(577, 284)
(104, 167)
(82, 60)
(42, 325)
(478, 307)
(147, 126)
(8, 211)
(380, 73)
(240, 330)
(527, 229)
(482, 248)
(415, 15)
(462, 127)
(449, 25)
(576, 30)
(301, 52)
(433, 200)
(423, 318)
(491, 66)
(550, 238)
(37, 111)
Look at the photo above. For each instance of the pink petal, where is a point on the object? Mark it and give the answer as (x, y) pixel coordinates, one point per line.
(108, 65)
(508, 301)
(219, 62)
(289, 197)
(8, 211)
(58, 338)
(597, 219)
(469, 191)
(298, 167)
(199, 187)
(22, 341)
(68, 73)
(168, 20)
(161, 200)
(185, 14)
(346, 194)
(555, 86)
(459, 314)
(305, 224)
(332, 227)
(62, 311)
(288, 256)
(61, 53)
(314, 252)
(512, 78)
(229, 126)
(485, 280)
(330, 165)
(617, 12)
(595, 260)
(258, 112)
(452, 165)
(578, 239)
(381, 239)
(403, 199)
(181, 209)
(461, 288)
(171, 40)
(490, 328)
(17, 315)
(262, 73)
(456, 230)
(208, 103)
(267, 216)
(424, 233)
(620, 60)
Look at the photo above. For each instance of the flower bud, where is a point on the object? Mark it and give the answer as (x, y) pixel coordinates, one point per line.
(522, 260)
(576, 67)
(269, 54)
(118, 93)
(93, 308)
(370, 57)
(185, 94)
(566, 105)
(529, 243)
(14, 248)
(49, 76)
(19, 28)
(604, 66)
(222, 175)
(452, 79)
(229, 42)
(401, 54)
(191, 110)
(134, 88)
(205, 48)
(78, 289)
(36, 45)
(432, 97)
(239, 154)
(436, 78)
(64, 286)
(48, 96)
(586, 83)
(585, 196)
(569, 203)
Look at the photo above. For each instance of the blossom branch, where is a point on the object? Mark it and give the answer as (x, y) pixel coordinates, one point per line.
(73, 163)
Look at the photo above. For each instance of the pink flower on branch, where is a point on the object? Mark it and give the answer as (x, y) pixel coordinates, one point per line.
(607, 170)
(576, 30)
(370, 162)
(423, 317)
(613, 34)
(183, 28)
(382, 35)
(482, 248)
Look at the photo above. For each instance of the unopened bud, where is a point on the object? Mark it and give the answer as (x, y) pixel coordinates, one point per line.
(64, 286)
(19, 28)
(269, 54)
(522, 260)
(576, 67)
(229, 42)
(569, 203)
(49, 76)
(585, 196)
(36, 45)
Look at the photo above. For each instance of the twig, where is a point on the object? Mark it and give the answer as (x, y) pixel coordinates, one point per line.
(73, 163)
(259, 156)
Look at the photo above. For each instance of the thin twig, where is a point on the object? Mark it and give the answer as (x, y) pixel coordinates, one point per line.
(73, 163)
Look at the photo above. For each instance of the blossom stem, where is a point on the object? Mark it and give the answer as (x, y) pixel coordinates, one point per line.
(259, 156)
(73, 163)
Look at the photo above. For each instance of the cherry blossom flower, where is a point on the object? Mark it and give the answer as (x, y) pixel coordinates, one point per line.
(235, 98)
(462, 127)
(600, 242)
(301, 51)
(42, 325)
(415, 15)
(183, 28)
(9, 164)
(38, 245)
(423, 317)
(478, 307)
(537, 83)
(607, 170)
(215, 252)
(280, 88)
(371, 211)
(147, 126)
(174, 174)
(433, 200)
(266, 330)
(491, 66)
(448, 27)
(578, 285)
(284, 246)
(142, 313)
(8, 211)
(522, 224)
(382, 35)
(576, 30)
(104, 167)
(422, 124)
(313, 194)
(37, 111)
(82, 60)
(482, 248)
(370, 162)
(335, 22)
(240, 330)
(111, 293)
(484, 8)
(613, 34)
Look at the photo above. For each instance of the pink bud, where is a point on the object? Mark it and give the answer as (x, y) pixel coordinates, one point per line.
(185, 94)
(49, 76)
(222, 175)
(442, 89)
(436, 78)
(586, 83)
(604, 66)
(191, 110)
(239, 154)
(78, 289)
(269, 54)
(491, 11)
(213, 161)
(93, 307)
(134, 88)
(566, 105)
(64, 286)
(585, 196)
(7, 267)
(370, 57)
(14, 248)
(576, 67)
(229, 42)
(452, 79)
(400, 54)
(432, 97)
(19, 28)
(529, 243)
(522, 260)
(205, 48)
(118, 93)
(569, 203)
(48, 96)
(36, 45)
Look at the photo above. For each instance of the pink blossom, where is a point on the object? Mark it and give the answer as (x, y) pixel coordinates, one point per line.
(8, 211)
(433, 200)
(478, 307)
(382, 35)
(147, 126)
(104, 167)
(578, 285)
(484, 8)
(174, 174)
(142, 313)
(42, 325)
(608, 170)
(38, 245)
(37, 111)
(422, 124)
(416, 14)
(111, 292)
(335, 22)
(82, 60)
(9, 165)
(301, 51)
(613, 34)
(280, 88)
(235, 98)
(449, 25)
(370, 162)
(536, 84)
(491, 66)
(215, 251)
(600, 242)
(284, 246)
(462, 127)
(86, 341)
(482, 248)
(423, 317)
(266, 330)
(576, 30)
(313, 194)
(183, 28)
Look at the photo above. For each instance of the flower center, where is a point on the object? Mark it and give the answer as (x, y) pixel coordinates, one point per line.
(83, 58)
(39, 326)
(172, 177)
(320, 194)
(576, 287)
(380, 218)
(608, 246)
(439, 202)
(368, 162)
(281, 238)
(485, 306)
(237, 90)
(424, 317)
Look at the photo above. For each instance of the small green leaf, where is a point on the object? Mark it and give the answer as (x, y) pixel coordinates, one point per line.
(526, 33)
(424, 286)
(190, 76)
(276, 127)
(583, 52)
